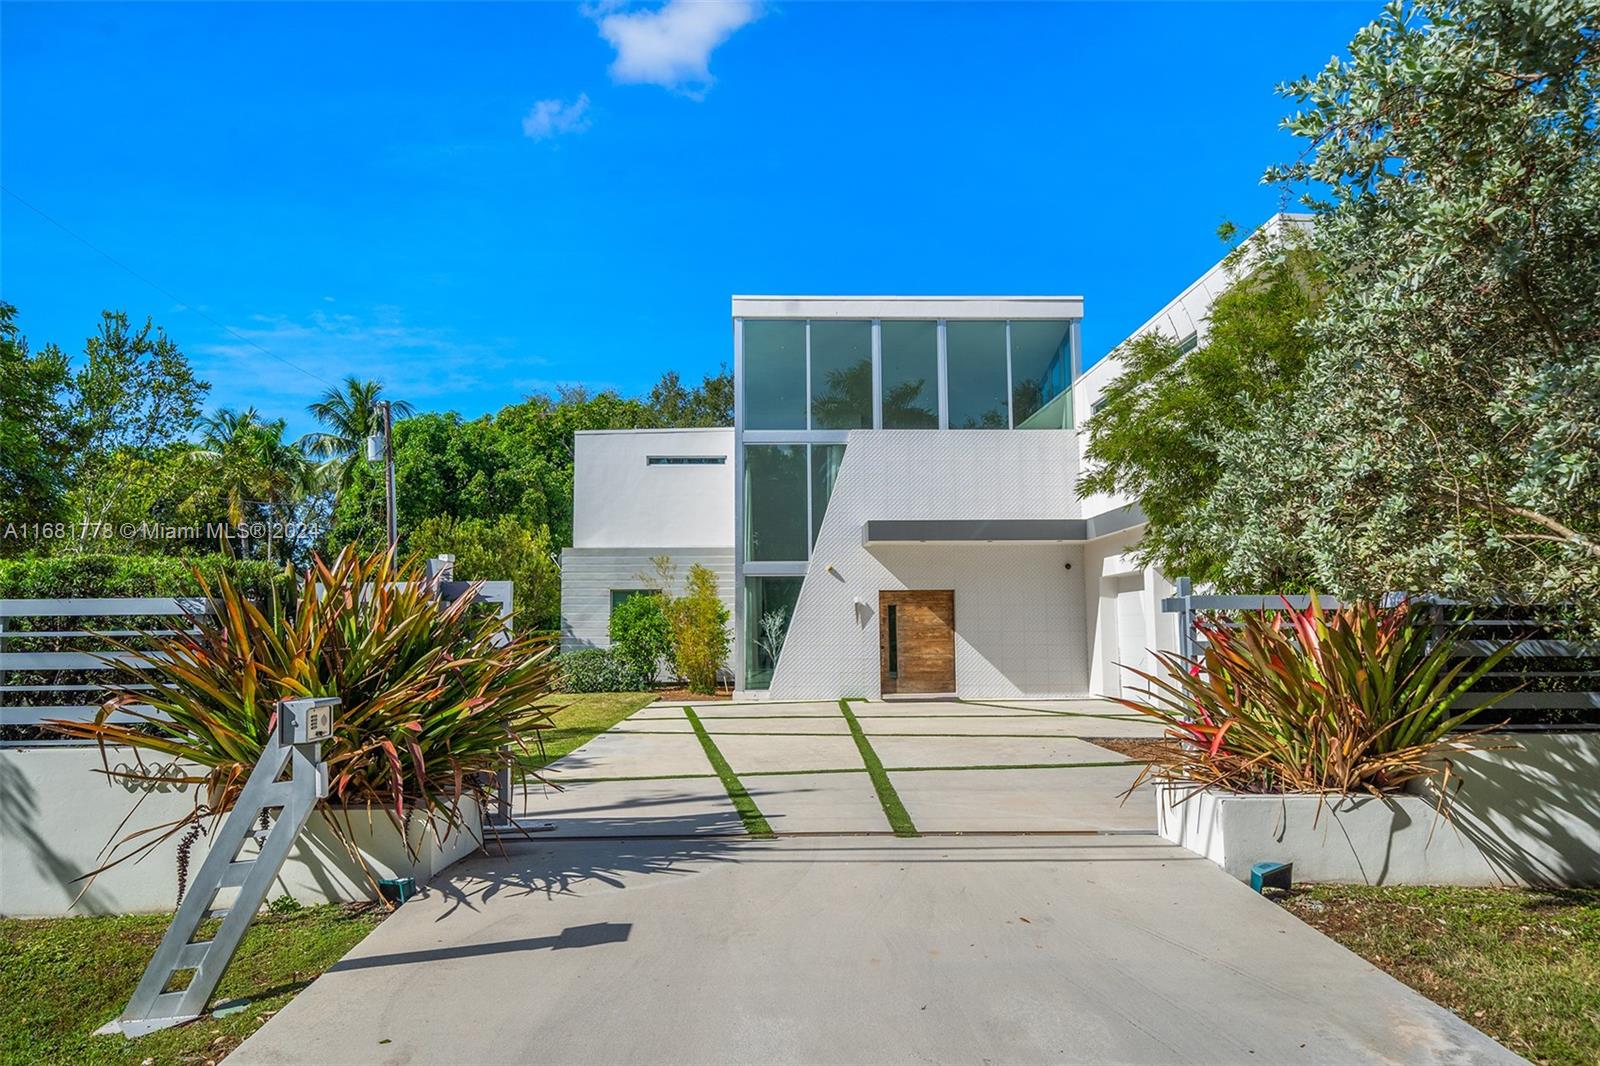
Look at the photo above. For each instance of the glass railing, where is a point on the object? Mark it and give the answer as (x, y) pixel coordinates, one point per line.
(1057, 414)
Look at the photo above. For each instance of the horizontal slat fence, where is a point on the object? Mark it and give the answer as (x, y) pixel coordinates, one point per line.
(55, 658)
(54, 651)
(1557, 680)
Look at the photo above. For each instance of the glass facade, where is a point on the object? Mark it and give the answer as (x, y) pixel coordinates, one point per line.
(768, 610)
(774, 375)
(975, 356)
(775, 518)
(1041, 366)
(841, 375)
(825, 460)
(910, 375)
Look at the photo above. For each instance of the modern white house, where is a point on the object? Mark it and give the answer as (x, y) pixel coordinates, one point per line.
(896, 508)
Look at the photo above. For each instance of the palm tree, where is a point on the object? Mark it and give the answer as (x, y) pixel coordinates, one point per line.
(250, 462)
(351, 416)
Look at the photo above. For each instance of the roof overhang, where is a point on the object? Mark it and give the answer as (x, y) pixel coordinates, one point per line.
(916, 307)
(881, 531)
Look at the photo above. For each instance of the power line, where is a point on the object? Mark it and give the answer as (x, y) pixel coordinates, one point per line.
(168, 293)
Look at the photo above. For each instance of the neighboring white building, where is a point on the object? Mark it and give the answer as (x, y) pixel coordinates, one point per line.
(638, 494)
(906, 518)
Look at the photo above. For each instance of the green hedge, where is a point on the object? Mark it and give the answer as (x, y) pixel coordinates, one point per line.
(597, 670)
(62, 576)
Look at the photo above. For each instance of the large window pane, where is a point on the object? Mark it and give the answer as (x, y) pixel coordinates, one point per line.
(774, 374)
(768, 610)
(841, 375)
(825, 460)
(1041, 364)
(910, 375)
(975, 355)
(775, 502)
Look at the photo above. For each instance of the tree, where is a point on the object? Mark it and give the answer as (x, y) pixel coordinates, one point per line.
(504, 549)
(351, 416)
(708, 404)
(37, 437)
(135, 396)
(1447, 436)
(246, 461)
(1164, 434)
(699, 630)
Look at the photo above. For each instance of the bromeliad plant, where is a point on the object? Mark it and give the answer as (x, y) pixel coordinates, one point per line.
(434, 696)
(1360, 698)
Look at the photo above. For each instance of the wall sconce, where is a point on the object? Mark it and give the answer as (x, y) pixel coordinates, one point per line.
(829, 568)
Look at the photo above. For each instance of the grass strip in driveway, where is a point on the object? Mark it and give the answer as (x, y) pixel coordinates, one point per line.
(893, 809)
(755, 823)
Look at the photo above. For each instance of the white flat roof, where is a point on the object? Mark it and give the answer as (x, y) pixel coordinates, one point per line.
(1015, 307)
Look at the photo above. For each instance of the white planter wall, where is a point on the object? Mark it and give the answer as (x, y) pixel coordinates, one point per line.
(1526, 816)
(57, 813)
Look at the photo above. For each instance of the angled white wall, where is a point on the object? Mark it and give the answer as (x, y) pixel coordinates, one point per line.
(1020, 626)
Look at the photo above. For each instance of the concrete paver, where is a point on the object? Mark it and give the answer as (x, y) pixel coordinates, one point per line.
(1032, 725)
(619, 754)
(985, 751)
(819, 803)
(687, 807)
(751, 754)
(846, 950)
(1076, 800)
(718, 726)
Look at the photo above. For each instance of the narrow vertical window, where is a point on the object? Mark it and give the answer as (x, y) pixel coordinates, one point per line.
(894, 642)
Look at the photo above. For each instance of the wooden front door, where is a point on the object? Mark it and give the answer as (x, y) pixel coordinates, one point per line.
(917, 640)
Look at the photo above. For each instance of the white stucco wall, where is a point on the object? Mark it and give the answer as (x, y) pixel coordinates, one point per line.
(58, 813)
(1019, 611)
(621, 501)
(1105, 561)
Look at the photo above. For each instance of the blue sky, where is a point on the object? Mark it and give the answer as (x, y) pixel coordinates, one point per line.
(475, 201)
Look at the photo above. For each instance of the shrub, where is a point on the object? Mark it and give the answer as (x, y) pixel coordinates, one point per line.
(95, 575)
(431, 702)
(506, 549)
(1358, 699)
(641, 637)
(597, 670)
(699, 630)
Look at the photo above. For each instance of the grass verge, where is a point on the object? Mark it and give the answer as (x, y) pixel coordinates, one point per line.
(755, 823)
(1523, 965)
(65, 977)
(893, 809)
(581, 717)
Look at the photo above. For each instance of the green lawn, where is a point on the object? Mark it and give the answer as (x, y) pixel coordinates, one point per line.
(1521, 965)
(584, 716)
(65, 977)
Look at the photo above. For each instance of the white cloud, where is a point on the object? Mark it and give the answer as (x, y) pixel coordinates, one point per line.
(671, 45)
(549, 118)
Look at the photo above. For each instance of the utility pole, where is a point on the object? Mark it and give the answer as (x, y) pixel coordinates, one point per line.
(384, 450)
(388, 478)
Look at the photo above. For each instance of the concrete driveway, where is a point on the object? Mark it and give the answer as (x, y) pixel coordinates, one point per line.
(1035, 919)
